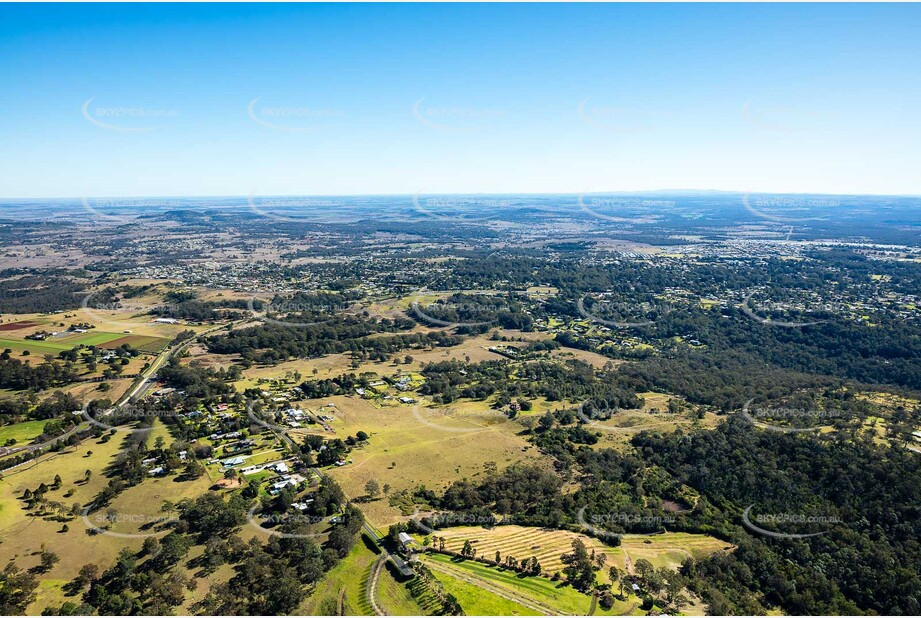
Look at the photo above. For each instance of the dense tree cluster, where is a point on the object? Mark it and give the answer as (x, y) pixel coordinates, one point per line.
(17, 375)
(364, 338)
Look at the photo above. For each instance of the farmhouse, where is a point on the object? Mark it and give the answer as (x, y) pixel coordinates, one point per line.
(405, 540)
(280, 467)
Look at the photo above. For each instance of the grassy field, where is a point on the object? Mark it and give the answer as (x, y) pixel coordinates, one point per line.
(668, 549)
(432, 448)
(348, 581)
(52, 346)
(653, 415)
(21, 432)
(476, 601)
(473, 348)
(22, 533)
(539, 592)
(158, 430)
(101, 339)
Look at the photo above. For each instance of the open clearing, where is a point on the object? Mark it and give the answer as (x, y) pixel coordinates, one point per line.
(21, 432)
(667, 549)
(477, 601)
(430, 446)
(344, 590)
(537, 593)
(22, 533)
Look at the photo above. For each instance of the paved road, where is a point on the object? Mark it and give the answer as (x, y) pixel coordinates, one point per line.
(145, 378)
(142, 386)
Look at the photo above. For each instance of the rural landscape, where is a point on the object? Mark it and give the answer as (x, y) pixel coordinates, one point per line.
(460, 309)
(360, 420)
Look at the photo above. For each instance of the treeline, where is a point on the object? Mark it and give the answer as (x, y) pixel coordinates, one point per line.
(198, 383)
(867, 558)
(366, 338)
(573, 380)
(17, 375)
(44, 293)
(269, 578)
(202, 311)
(475, 313)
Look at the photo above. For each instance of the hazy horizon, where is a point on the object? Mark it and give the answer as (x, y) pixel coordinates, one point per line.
(378, 99)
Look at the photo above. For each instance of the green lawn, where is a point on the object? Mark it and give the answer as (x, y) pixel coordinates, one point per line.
(478, 602)
(58, 344)
(159, 429)
(539, 589)
(347, 578)
(21, 432)
(90, 338)
(35, 347)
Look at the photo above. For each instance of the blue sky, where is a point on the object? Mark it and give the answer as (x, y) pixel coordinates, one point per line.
(157, 100)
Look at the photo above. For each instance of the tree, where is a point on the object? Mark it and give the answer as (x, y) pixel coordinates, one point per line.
(674, 585)
(47, 560)
(372, 488)
(606, 600)
(579, 570)
(617, 578)
(643, 569)
(17, 590)
(88, 574)
(193, 468)
(451, 606)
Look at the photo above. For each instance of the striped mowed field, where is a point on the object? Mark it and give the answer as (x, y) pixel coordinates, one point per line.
(667, 549)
